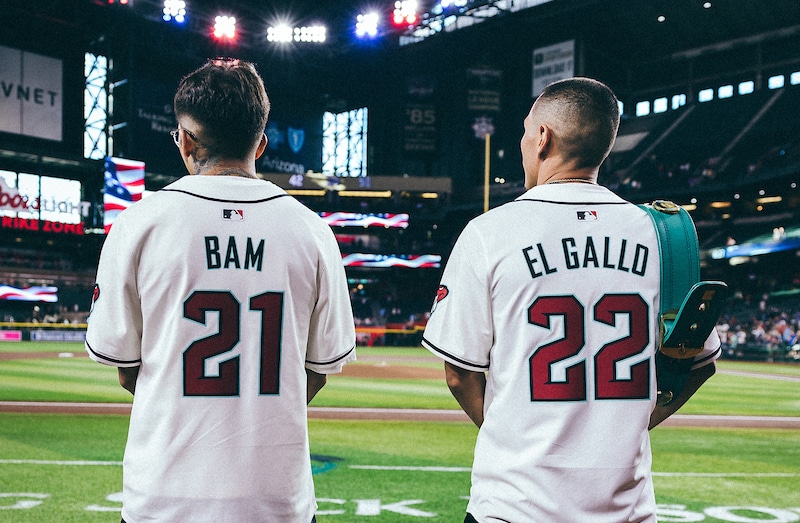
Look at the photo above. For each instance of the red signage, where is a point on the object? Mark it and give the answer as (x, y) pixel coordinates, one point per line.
(23, 224)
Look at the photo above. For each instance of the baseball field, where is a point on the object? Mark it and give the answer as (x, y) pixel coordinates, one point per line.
(389, 443)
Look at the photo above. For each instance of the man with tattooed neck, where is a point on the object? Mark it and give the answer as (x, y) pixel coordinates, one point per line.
(223, 303)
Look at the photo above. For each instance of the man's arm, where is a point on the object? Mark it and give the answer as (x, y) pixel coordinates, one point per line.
(468, 387)
(127, 377)
(315, 383)
(696, 378)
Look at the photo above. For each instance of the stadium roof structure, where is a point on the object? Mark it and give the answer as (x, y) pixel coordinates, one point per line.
(622, 27)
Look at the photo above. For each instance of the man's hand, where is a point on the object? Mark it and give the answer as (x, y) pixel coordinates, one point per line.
(315, 382)
(696, 378)
(127, 377)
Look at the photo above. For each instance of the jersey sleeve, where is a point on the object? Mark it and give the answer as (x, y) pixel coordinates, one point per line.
(114, 332)
(460, 328)
(332, 336)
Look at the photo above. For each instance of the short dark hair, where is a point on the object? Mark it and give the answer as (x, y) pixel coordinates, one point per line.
(227, 97)
(589, 112)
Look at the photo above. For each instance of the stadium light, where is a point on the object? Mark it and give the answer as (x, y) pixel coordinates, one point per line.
(225, 27)
(405, 13)
(775, 82)
(284, 33)
(314, 34)
(279, 33)
(174, 10)
(447, 4)
(367, 25)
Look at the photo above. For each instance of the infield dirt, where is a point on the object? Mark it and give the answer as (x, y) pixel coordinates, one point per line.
(374, 367)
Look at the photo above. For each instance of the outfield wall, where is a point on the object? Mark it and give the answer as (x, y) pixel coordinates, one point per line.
(29, 331)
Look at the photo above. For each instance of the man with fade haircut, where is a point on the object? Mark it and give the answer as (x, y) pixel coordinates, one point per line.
(547, 319)
(223, 302)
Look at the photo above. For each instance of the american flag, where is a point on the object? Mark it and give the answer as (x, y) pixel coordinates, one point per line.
(352, 219)
(45, 294)
(422, 261)
(124, 187)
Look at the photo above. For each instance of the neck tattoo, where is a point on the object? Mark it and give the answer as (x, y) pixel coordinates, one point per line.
(234, 172)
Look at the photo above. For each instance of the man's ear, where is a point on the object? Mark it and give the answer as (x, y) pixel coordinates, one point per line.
(545, 143)
(186, 148)
(262, 145)
(187, 145)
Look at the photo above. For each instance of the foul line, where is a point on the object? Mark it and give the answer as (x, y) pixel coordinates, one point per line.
(728, 474)
(55, 462)
(662, 474)
(422, 469)
(415, 469)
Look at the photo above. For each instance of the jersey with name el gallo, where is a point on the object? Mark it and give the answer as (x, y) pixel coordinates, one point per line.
(556, 296)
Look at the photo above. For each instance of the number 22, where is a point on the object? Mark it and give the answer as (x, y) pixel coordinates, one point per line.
(607, 384)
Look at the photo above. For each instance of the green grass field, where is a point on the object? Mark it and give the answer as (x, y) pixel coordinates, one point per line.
(66, 468)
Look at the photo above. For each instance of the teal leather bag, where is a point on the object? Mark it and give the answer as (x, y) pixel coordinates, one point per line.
(690, 308)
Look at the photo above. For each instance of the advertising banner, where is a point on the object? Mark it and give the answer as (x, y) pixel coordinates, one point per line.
(26, 198)
(552, 63)
(58, 335)
(483, 99)
(147, 137)
(420, 119)
(10, 335)
(31, 94)
(294, 143)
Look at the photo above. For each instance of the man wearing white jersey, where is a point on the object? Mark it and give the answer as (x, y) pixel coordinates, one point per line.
(547, 319)
(224, 304)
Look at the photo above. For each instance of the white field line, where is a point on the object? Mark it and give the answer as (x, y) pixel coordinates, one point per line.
(721, 417)
(750, 374)
(59, 463)
(383, 468)
(414, 469)
(660, 474)
(727, 474)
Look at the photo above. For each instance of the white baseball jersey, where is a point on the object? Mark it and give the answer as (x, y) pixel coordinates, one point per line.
(223, 289)
(556, 295)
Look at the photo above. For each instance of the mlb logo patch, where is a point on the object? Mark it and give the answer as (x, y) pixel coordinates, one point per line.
(587, 216)
(235, 215)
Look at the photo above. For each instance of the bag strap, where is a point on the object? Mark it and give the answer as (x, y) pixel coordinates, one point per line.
(679, 252)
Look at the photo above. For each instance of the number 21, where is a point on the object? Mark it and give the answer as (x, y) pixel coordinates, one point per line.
(226, 383)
